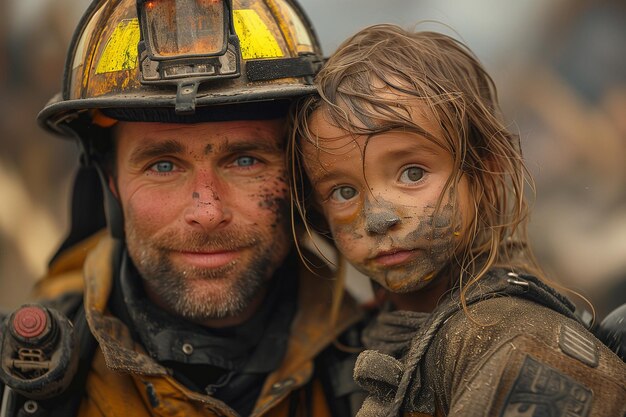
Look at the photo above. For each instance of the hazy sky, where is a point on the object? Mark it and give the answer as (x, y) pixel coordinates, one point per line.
(490, 27)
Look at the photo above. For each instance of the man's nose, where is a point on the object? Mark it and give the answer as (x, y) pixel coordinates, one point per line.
(206, 209)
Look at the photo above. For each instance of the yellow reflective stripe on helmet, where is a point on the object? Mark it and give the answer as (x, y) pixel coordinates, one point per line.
(120, 52)
(255, 39)
(302, 35)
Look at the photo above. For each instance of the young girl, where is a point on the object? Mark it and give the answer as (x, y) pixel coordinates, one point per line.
(421, 187)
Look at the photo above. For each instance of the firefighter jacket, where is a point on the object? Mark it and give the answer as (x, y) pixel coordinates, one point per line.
(519, 350)
(124, 381)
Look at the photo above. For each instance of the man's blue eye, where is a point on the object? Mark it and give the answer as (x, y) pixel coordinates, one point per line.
(245, 161)
(163, 166)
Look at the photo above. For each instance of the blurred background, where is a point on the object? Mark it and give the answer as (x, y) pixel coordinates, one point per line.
(560, 67)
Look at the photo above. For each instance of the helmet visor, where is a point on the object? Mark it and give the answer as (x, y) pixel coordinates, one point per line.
(185, 27)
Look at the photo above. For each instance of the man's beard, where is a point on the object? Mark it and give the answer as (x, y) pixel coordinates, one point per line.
(198, 293)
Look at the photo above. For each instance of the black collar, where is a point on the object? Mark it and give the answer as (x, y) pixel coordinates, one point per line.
(256, 346)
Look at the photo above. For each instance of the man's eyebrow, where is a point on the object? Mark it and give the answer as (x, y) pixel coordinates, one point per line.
(252, 145)
(153, 150)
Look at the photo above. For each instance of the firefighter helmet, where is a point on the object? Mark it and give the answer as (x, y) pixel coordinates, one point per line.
(183, 60)
(180, 61)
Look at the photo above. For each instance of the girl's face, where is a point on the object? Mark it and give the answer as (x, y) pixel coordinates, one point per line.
(379, 197)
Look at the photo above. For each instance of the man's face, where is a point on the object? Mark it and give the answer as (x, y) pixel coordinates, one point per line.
(205, 211)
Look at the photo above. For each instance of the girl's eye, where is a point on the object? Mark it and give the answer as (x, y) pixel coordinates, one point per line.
(245, 161)
(411, 174)
(163, 166)
(342, 194)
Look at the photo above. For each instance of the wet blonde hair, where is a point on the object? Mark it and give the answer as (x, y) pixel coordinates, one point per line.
(442, 74)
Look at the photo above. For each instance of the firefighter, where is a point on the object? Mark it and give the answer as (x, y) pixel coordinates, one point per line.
(179, 273)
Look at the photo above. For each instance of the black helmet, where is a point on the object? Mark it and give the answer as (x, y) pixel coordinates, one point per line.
(177, 61)
(167, 60)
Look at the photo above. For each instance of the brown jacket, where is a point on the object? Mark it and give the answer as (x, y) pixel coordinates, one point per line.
(124, 381)
(532, 362)
(508, 356)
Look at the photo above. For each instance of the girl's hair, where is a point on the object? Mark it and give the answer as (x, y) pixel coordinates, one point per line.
(436, 71)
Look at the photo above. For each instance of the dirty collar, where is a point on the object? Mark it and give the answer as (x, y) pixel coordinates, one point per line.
(256, 346)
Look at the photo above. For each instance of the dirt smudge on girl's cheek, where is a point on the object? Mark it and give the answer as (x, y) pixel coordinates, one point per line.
(346, 234)
(436, 228)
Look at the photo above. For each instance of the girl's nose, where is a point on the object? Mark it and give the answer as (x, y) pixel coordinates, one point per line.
(380, 222)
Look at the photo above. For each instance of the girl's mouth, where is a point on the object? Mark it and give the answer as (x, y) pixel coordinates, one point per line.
(393, 257)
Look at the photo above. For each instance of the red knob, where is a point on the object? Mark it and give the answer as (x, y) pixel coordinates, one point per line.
(30, 321)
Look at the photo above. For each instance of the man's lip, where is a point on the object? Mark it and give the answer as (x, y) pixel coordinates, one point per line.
(208, 259)
(393, 257)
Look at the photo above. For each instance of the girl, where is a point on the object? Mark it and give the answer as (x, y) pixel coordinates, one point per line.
(421, 187)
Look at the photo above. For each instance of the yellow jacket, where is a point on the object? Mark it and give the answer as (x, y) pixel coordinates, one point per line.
(124, 381)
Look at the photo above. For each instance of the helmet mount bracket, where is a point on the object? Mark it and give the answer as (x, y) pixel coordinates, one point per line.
(186, 97)
(177, 59)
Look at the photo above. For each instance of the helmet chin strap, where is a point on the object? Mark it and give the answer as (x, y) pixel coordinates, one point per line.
(93, 205)
(112, 207)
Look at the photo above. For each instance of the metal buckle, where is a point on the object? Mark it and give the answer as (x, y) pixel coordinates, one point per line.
(517, 280)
